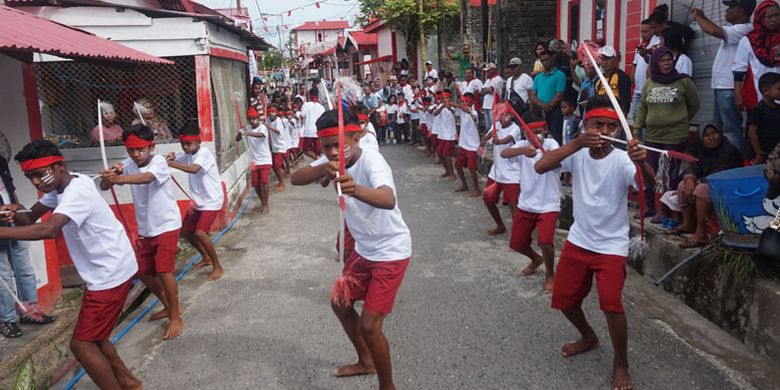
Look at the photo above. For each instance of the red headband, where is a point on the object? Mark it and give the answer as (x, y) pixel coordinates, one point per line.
(271, 110)
(185, 138)
(362, 117)
(537, 125)
(446, 94)
(602, 112)
(29, 165)
(135, 142)
(252, 113)
(331, 131)
(468, 100)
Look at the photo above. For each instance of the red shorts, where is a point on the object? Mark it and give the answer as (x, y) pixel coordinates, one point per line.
(435, 142)
(199, 220)
(424, 130)
(523, 225)
(158, 254)
(300, 143)
(292, 151)
(261, 174)
(278, 160)
(466, 158)
(446, 147)
(375, 282)
(493, 194)
(99, 312)
(574, 277)
(312, 144)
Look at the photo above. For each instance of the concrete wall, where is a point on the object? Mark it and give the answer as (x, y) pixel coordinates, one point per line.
(385, 42)
(525, 23)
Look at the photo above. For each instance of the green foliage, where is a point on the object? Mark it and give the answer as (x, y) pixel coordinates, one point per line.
(25, 376)
(404, 15)
(271, 59)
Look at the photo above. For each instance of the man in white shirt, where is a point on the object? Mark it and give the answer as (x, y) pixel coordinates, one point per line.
(518, 86)
(310, 112)
(430, 71)
(726, 114)
(468, 144)
(490, 91)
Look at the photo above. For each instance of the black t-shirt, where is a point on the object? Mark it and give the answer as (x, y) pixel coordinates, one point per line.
(768, 121)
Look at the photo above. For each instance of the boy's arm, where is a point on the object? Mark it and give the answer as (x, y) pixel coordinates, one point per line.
(438, 110)
(189, 168)
(36, 212)
(310, 174)
(110, 178)
(528, 151)
(381, 198)
(553, 158)
(505, 140)
(753, 137)
(36, 231)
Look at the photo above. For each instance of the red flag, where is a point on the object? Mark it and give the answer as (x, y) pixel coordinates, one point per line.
(317, 4)
(289, 13)
(265, 28)
(265, 19)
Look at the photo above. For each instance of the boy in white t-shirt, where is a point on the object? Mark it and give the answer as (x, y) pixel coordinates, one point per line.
(279, 142)
(295, 136)
(99, 247)
(504, 175)
(433, 124)
(424, 127)
(310, 112)
(447, 134)
(382, 243)
(468, 143)
(538, 206)
(207, 196)
(598, 241)
(158, 219)
(367, 136)
(259, 155)
(402, 120)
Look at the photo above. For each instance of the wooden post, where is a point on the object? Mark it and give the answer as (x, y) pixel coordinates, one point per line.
(423, 46)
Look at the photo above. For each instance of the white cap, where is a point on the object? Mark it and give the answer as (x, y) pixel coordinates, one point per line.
(608, 51)
(490, 66)
(428, 63)
(515, 61)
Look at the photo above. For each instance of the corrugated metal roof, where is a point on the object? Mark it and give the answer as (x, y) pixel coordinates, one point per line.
(323, 25)
(23, 32)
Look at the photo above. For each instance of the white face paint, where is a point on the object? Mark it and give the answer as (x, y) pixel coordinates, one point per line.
(48, 178)
(347, 151)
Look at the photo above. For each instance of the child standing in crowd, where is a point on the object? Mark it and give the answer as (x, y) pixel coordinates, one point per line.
(425, 124)
(294, 128)
(158, 218)
(468, 143)
(367, 136)
(598, 240)
(279, 143)
(310, 112)
(207, 196)
(504, 175)
(402, 121)
(392, 117)
(383, 245)
(571, 126)
(764, 119)
(538, 207)
(447, 134)
(435, 124)
(256, 134)
(100, 250)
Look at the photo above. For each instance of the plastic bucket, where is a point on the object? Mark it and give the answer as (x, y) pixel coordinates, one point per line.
(738, 198)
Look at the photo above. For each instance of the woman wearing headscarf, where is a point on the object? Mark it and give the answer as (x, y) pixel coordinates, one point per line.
(669, 101)
(758, 53)
(715, 154)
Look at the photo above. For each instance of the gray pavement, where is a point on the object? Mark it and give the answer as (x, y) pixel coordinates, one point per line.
(463, 318)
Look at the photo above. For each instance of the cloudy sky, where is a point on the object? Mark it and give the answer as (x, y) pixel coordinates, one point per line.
(329, 10)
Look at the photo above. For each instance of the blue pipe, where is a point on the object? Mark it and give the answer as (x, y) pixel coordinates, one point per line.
(70, 385)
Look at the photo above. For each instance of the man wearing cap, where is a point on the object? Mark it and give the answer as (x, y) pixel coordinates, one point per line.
(430, 72)
(619, 82)
(518, 84)
(726, 115)
(491, 90)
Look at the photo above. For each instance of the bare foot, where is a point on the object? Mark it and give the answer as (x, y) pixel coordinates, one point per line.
(498, 230)
(202, 263)
(279, 188)
(579, 346)
(354, 370)
(135, 384)
(451, 178)
(443, 175)
(461, 189)
(160, 315)
(264, 210)
(531, 268)
(475, 194)
(621, 380)
(437, 163)
(216, 273)
(549, 282)
(175, 326)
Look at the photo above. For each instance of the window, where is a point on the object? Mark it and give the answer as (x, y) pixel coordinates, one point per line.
(600, 16)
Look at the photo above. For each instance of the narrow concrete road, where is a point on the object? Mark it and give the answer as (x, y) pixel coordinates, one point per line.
(463, 318)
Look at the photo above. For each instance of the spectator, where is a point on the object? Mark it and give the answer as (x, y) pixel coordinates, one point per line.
(430, 86)
(672, 38)
(660, 23)
(619, 82)
(715, 154)
(490, 91)
(772, 173)
(669, 101)
(764, 119)
(430, 72)
(463, 58)
(758, 53)
(16, 270)
(112, 132)
(392, 116)
(726, 114)
(518, 86)
(561, 60)
(547, 93)
(405, 88)
(404, 71)
(372, 101)
(640, 63)
(540, 47)
(150, 117)
(258, 98)
(472, 85)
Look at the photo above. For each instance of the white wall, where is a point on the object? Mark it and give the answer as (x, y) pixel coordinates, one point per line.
(385, 42)
(13, 110)
(400, 44)
(311, 36)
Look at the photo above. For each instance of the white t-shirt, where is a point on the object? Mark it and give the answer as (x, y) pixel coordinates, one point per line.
(156, 211)
(368, 141)
(469, 136)
(295, 131)
(640, 72)
(684, 65)
(4, 194)
(522, 85)
(722, 78)
(259, 150)
(408, 92)
(206, 185)
(403, 111)
(433, 73)
(433, 120)
(311, 111)
(505, 170)
(496, 82)
(745, 57)
(280, 141)
(96, 240)
(600, 192)
(380, 235)
(447, 130)
(544, 191)
(392, 109)
(473, 86)
(412, 114)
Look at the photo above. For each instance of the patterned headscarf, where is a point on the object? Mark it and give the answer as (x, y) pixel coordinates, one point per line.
(761, 40)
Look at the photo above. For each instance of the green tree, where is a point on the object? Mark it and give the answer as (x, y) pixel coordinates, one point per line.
(271, 59)
(404, 15)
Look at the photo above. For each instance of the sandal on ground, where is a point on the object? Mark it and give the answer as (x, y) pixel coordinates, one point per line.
(689, 244)
(657, 219)
(648, 214)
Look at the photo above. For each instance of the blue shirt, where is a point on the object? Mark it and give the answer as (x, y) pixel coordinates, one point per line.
(547, 86)
(371, 101)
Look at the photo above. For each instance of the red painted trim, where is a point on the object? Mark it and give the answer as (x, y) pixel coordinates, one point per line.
(31, 100)
(229, 54)
(618, 27)
(395, 49)
(558, 18)
(203, 90)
